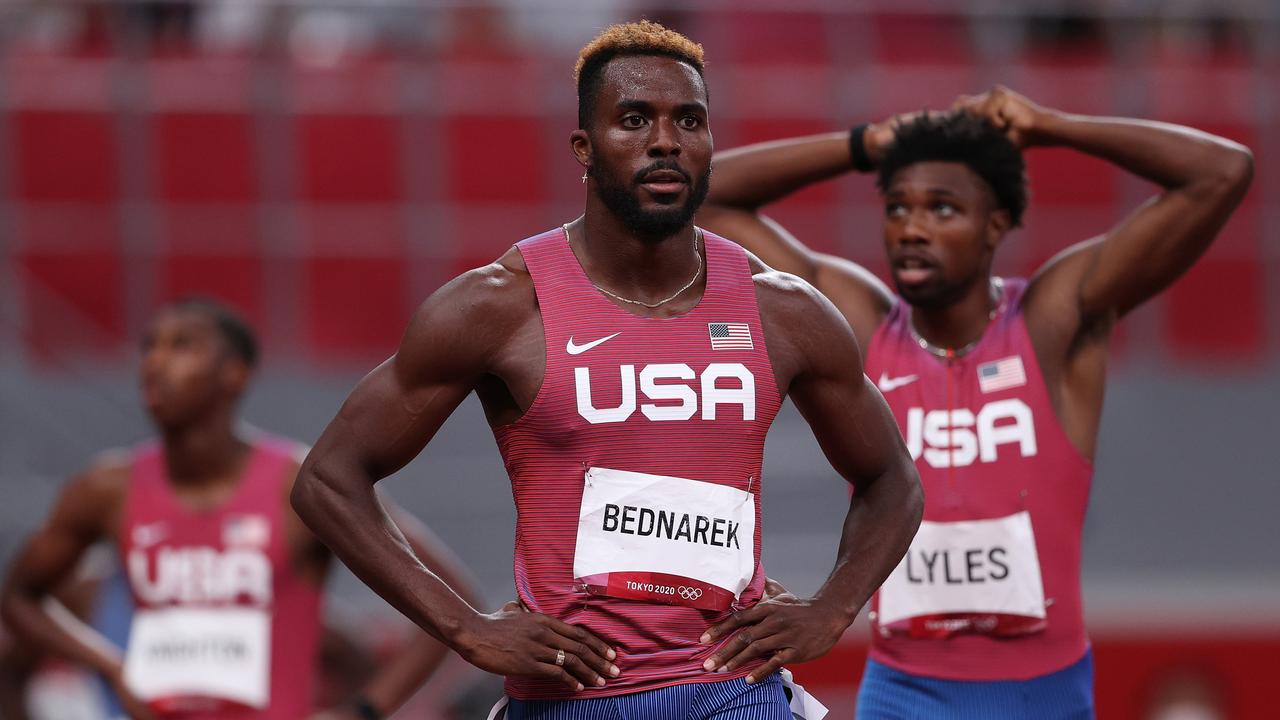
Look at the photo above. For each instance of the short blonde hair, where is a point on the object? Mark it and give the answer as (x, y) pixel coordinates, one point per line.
(635, 38)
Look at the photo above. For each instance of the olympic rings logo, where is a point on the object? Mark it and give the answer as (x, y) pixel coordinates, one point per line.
(690, 593)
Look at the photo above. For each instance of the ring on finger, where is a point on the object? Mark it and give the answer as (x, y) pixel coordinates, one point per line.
(560, 658)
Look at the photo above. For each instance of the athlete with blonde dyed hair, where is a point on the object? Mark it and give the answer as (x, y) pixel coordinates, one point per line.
(630, 365)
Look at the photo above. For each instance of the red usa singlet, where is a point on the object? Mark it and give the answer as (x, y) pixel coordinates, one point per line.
(636, 470)
(223, 628)
(990, 589)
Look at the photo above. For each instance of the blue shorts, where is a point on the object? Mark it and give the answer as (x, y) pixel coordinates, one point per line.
(888, 694)
(724, 700)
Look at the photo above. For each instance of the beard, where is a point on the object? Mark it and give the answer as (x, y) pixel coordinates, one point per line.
(651, 225)
(934, 295)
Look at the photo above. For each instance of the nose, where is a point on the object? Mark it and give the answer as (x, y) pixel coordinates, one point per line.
(915, 227)
(664, 141)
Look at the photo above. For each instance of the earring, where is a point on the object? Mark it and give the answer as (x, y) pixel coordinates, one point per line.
(584, 176)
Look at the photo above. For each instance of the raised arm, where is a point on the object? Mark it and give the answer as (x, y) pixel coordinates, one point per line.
(748, 178)
(810, 344)
(1203, 178)
(81, 517)
(450, 346)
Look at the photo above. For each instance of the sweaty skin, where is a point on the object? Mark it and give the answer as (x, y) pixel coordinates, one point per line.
(191, 388)
(944, 214)
(483, 332)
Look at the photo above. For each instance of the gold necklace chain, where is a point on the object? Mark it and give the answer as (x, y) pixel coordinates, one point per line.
(697, 233)
(997, 290)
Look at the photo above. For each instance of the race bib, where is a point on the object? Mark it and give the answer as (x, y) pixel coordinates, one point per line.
(664, 539)
(975, 576)
(200, 658)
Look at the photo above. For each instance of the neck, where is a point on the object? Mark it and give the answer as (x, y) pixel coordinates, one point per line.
(203, 453)
(615, 257)
(962, 323)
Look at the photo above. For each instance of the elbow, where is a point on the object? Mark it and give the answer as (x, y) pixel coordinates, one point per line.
(1239, 168)
(1232, 173)
(313, 491)
(302, 497)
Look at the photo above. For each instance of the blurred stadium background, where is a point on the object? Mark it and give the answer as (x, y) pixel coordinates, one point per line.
(323, 166)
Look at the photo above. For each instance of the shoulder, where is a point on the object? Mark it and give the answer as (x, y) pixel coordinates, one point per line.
(784, 292)
(787, 300)
(107, 475)
(473, 315)
(93, 500)
(855, 293)
(504, 286)
(781, 289)
(806, 334)
(1050, 302)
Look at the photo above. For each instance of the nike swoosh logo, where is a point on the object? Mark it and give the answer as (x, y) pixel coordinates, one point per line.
(578, 349)
(887, 383)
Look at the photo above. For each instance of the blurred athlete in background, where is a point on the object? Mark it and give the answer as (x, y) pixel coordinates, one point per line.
(226, 581)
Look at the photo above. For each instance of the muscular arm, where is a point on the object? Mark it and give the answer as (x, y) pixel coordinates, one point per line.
(385, 422)
(815, 351)
(748, 178)
(404, 673)
(860, 438)
(1203, 178)
(451, 345)
(1074, 300)
(80, 518)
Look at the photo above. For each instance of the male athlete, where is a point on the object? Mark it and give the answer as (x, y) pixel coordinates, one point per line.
(226, 580)
(996, 383)
(630, 365)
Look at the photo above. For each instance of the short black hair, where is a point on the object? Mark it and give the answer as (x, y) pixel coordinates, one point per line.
(239, 336)
(645, 38)
(960, 137)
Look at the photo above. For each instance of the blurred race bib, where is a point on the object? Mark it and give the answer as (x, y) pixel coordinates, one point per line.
(200, 658)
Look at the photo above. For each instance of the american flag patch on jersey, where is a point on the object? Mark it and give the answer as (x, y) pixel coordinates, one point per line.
(246, 531)
(730, 336)
(1001, 374)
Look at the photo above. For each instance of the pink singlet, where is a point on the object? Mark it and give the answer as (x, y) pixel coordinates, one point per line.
(990, 589)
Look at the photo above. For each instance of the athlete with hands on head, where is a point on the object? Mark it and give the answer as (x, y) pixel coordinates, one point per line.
(997, 384)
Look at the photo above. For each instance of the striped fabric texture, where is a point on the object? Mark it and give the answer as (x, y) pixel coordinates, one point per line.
(727, 700)
(986, 454)
(547, 451)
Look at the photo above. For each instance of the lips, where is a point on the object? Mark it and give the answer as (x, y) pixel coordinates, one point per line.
(913, 268)
(663, 181)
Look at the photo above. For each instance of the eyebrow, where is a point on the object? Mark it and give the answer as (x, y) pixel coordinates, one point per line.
(928, 191)
(643, 105)
(626, 104)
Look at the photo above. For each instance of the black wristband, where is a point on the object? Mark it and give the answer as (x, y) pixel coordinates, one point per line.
(365, 709)
(858, 149)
